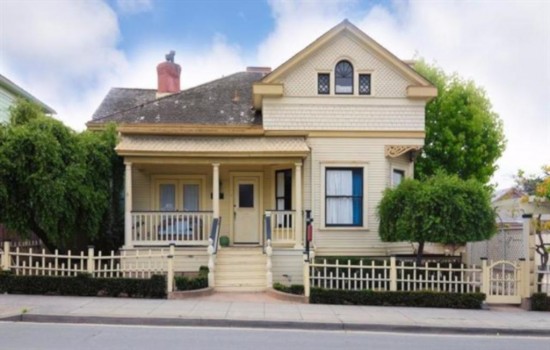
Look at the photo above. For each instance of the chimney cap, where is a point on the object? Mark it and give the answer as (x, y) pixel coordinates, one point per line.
(170, 56)
(264, 70)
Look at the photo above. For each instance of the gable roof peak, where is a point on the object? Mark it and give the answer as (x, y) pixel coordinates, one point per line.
(346, 25)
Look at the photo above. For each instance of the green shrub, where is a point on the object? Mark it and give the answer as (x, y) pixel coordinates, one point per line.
(84, 285)
(416, 298)
(297, 289)
(192, 283)
(540, 302)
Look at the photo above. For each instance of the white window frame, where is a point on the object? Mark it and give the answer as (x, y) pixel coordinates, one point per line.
(179, 181)
(366, 188)
(394, 169)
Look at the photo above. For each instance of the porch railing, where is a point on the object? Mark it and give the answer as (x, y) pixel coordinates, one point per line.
(283, 226)
(162, 227)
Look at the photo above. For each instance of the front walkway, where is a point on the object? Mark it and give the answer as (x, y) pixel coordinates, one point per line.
(260, 310)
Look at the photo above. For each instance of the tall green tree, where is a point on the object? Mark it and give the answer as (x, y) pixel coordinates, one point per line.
(464, 136)
(442, 209)
(55, 182)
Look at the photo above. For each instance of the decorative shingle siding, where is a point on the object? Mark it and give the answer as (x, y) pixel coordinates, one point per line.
(386, 82)
(313, 114)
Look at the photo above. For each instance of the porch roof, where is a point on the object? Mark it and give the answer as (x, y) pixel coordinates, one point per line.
(197, 146)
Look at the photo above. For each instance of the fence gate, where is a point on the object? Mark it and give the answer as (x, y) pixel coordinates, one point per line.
(502, 280)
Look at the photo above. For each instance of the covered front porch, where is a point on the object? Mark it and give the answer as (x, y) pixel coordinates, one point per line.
(175, 191)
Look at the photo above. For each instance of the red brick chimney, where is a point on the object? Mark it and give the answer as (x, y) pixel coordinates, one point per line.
(168, 76)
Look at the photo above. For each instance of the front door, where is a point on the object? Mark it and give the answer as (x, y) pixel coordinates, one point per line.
(246, 209)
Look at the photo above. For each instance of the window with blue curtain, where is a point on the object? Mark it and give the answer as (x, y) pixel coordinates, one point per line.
(344, 197)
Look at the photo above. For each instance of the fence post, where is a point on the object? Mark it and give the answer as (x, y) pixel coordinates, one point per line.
(211, 264)
(393, 274)
(269, 264)
(524, 278)
(306, 276)
(90, 266)
(6, 259)
(170, 272)
(485, 277)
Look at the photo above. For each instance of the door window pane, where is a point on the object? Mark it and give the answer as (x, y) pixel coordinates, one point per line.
(246, 196)
(190, 197)
(167, 197)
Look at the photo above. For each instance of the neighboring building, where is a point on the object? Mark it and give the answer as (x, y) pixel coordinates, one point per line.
(9, 92)
(327, 131)
(510, 204)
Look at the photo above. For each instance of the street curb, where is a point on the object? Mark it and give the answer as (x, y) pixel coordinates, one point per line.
(202, 322)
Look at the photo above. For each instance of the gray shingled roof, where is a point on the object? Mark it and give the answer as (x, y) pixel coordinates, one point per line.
(226, 101)
(121, 99)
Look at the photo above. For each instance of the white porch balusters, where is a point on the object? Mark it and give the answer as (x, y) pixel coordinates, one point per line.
(298, 204)
(128, 206)
(216, 189)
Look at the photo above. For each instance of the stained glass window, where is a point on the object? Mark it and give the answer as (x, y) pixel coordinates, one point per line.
(364, 84)
(323, 83)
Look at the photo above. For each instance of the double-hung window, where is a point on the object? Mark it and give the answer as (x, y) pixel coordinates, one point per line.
(344, 197)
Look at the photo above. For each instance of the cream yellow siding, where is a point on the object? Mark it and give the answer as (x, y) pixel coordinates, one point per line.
(288, 266)
(341, 113)
(355, 152)
(386, 81)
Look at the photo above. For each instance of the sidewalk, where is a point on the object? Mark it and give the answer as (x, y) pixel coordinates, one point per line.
(260, 310)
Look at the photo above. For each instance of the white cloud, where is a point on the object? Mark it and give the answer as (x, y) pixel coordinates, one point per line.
(62, 52)
(134, 6)
(504, 47)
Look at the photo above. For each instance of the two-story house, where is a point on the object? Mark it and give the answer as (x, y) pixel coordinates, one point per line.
(327, 132)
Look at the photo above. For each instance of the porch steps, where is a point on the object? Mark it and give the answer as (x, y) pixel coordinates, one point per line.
(240, 269)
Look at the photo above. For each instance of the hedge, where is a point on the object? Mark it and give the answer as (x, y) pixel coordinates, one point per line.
(416, 298)
(192, 283)
(297, 289)
(540, 302)
(84, 285)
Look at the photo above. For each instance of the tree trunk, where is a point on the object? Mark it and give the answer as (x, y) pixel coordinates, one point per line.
(50, 246)
(419, 253)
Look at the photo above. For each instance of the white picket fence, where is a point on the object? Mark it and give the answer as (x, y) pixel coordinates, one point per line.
(40, 263)
(543, 284)
(392, 275)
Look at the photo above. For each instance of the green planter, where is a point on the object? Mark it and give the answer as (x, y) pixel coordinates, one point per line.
(224, 241)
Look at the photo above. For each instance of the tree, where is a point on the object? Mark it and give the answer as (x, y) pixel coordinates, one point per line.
(443, 209)
(464, 136)
(55, 182)
(537, 189)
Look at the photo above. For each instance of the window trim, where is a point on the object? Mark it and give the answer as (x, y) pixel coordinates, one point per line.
(365, 222)
(352, 78)
(179, 181)
(359, 74)
(397, 169)
(329, 80)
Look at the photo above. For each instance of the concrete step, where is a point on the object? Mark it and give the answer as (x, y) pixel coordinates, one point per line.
(254, 269)
(239, 289)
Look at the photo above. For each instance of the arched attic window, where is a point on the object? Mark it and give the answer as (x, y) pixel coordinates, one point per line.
(343, 76)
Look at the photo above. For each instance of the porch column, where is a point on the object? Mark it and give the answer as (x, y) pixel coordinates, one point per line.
(128, 206)
(298, 205)
(216, 189)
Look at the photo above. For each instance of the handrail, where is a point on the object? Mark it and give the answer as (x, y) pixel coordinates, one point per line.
(308, 235)
(267, 230)
(215, 233)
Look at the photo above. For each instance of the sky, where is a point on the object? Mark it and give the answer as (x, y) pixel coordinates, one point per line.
(69, 53)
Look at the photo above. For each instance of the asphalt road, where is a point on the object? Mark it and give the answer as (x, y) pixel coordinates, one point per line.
(38, 336)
